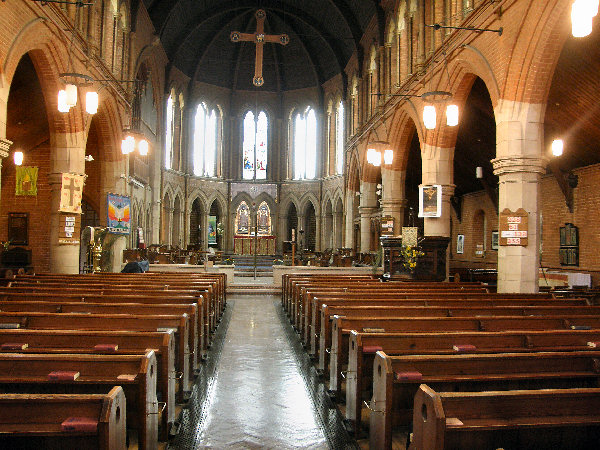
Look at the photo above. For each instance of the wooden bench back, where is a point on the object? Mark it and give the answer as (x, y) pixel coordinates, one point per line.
(34, 420)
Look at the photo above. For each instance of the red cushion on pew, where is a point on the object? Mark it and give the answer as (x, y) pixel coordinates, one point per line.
(63, 375)
(106, 347)
(372, 349)
(464, 348)
(80, 424)
(409, 376)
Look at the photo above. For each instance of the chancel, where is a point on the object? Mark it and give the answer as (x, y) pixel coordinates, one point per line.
(329, 207)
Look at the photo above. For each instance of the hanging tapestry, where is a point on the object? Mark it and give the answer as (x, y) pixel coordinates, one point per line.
(26, 182)
(70, 193)
(119, 220)
(212, 230)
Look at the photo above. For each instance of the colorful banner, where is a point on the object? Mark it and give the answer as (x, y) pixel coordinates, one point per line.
(70, 193)
(119, 217)
(212, 230)
(26, 182)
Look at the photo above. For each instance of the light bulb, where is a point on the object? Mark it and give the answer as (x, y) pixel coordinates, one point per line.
(557, 147)
(581, 19)
(91, 102)
(371, 155)
(452, 115)
(479, 172)
(18, 156)
(429, 117)
(71, 91)
(143, 147)
(62, 102)
(388, 156)
(127, 145)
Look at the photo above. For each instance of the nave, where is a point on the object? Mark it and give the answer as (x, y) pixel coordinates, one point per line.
(258, 389)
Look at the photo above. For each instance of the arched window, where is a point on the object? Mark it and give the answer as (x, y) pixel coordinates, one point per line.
(205, 141)
(169, 126)
(339, 138)
(242, 219)
(305, 144)
(255, 146)
(264, 219)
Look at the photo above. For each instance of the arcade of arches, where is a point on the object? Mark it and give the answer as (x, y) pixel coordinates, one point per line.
(296, 146)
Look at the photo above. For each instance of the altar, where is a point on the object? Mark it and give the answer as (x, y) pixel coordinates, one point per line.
(244, 244)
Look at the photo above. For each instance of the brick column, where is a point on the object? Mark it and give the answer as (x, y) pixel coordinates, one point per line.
(520, 165)
(67, 157)
(393, 200)
(438, 169)
(4, 147)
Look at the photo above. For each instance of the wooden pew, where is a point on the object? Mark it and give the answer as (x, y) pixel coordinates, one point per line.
(396, 380)
(67, 321)
(560, 419)
(60, 306)
(328, 311)
(363, 347)
(31, 374)
(98, 342)
(342, 326)
(35, 421)
(448, 300)
(203, 338)
(311, 318)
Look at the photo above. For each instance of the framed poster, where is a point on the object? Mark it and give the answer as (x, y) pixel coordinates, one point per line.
(18, 228)
(119, 216)
(495, 238)
(430, 201)
(460, 243)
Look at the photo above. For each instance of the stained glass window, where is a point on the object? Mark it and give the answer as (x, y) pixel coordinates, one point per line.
(339, 139)
(255, 146)
(264, 219)
(205, 141)
(242, 219)
(170, 125)
(305, 145)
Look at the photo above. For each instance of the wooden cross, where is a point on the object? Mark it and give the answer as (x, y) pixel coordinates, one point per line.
(259, 38)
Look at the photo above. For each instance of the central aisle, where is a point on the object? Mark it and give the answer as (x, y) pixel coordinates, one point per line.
(258, 398)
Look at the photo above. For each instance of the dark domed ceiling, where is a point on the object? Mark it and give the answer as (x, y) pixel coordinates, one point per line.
(323, 35)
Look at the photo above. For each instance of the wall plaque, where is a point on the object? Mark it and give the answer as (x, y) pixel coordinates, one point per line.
(514, 227)
(18, 224)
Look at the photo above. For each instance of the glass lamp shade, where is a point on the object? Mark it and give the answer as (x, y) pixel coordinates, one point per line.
(62, 102)
(127, 145)
(371, 155)
(452, 115)
(377, 159)
(91, 102)
(388, 156)
(143, 147)
(18, 157)
(581, 19)
(557, 147)
(71, 91)
(429, 117)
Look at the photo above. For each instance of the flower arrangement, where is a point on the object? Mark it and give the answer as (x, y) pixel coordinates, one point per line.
(410, 256)
(220, 229)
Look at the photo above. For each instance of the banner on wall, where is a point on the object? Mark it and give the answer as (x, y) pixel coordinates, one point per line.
(119, 218)
(26, 182)
(212, 230)
(71, 192)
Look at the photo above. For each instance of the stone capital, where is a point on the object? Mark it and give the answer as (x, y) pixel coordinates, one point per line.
(519, 164)
(4, 147)
(367, 210)
(394, 204)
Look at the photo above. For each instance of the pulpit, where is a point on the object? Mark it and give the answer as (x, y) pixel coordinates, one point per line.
(430, 267)
(244, 244)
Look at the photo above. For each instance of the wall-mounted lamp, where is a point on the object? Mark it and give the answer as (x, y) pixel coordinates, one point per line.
(89, 158)
(18, 158)
(582, 13)
(557, 147)
(134, 139)
(479, 173)
(377, 149)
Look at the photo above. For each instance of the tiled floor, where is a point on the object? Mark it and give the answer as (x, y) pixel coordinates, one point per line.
(258, 398)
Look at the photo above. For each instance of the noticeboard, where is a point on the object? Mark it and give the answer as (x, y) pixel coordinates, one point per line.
(514, 227)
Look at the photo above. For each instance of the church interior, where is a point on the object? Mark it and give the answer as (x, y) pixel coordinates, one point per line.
(274, 161)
